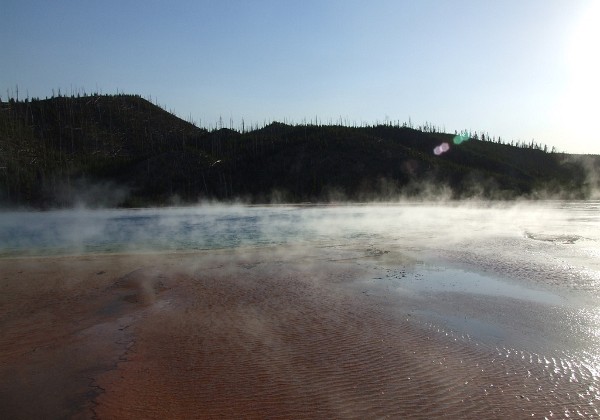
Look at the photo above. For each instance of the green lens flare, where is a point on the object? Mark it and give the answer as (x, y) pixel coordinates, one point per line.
(459, 138)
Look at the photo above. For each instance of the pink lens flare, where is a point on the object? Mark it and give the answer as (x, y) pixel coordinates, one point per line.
(442, 148)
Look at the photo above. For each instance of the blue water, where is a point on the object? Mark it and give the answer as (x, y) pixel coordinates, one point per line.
(84, 231)
(419, 225)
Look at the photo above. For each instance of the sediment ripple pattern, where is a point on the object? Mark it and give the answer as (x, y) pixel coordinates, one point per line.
(265, 334)
(285, 341)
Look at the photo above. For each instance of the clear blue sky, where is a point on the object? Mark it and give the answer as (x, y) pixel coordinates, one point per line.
(519, 69)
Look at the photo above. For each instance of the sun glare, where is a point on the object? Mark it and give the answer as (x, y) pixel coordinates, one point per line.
(580, 103)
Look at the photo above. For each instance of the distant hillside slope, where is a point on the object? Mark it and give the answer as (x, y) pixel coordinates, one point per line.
(123, 150)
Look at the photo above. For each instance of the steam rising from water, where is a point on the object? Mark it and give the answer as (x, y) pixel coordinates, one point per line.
(520, 281)
(215, 226)
(553, 244)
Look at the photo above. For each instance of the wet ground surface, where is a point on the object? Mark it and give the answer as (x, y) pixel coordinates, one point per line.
(304, 332)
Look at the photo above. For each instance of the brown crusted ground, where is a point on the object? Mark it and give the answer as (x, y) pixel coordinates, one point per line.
(226, 334)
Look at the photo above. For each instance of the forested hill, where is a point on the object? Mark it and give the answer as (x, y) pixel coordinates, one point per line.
(122, 150)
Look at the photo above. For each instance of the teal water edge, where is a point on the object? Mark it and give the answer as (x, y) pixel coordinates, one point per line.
(208, 227)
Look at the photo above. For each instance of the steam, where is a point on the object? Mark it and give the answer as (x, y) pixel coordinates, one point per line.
(535, 242)
(591, 165)
(287, 287)
(213, 226)
(82, 193)
(144, 283)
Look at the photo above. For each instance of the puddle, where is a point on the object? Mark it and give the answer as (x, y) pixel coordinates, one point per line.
(444, 280)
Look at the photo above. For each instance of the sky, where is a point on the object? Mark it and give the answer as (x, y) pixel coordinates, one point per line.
(520, 69)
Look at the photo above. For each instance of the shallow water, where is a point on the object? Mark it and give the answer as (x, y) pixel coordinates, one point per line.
(517, 287)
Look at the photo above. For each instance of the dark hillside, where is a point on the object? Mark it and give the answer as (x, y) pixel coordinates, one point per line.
(123, 150)
(49, 144)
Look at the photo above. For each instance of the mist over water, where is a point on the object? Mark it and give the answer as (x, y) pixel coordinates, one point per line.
(551, 243)
(431, 226)
(546, 243)
(521, 280)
